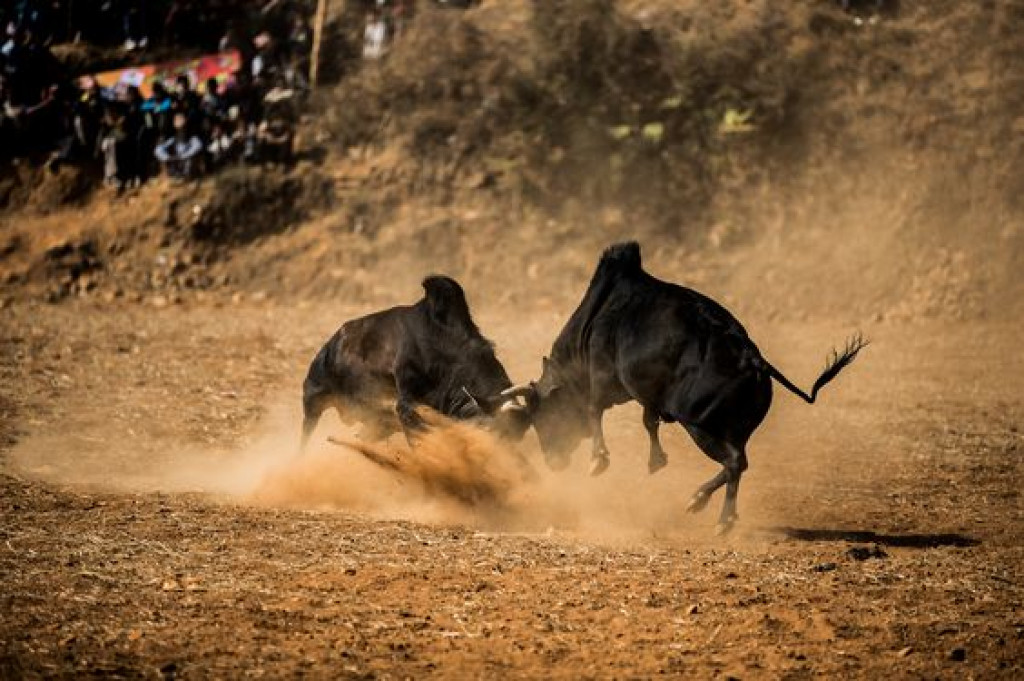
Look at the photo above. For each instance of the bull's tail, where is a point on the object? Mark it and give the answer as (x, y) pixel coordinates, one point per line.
(836, 363)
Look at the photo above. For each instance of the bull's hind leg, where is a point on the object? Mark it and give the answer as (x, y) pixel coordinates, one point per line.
(734, 462)
(734, 467)
(657, 459)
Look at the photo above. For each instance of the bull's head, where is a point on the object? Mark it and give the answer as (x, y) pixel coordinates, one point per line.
(557, 413)
(507, 416)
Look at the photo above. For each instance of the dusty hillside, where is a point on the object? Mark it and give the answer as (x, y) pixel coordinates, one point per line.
(756, 150)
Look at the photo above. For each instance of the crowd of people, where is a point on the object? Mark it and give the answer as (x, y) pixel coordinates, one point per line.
(134, 24)
(133, 131)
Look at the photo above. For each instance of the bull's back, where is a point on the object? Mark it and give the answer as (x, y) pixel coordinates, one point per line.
(371, 343)
(668, 338)
(359, 357)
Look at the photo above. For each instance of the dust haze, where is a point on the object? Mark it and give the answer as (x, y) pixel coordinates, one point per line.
(459, 473)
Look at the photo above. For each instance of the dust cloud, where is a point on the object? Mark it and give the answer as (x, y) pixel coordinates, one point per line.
(457, 474)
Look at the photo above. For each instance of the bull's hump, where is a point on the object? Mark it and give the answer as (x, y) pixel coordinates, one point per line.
(623, 256)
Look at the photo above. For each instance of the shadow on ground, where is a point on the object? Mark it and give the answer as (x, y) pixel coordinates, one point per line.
(913, 541)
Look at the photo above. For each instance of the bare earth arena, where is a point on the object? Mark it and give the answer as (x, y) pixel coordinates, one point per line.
(505, 372)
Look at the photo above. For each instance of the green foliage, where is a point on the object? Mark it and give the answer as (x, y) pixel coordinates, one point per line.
(581, 83)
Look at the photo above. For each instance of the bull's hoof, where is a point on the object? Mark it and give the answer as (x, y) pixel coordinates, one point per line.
(656, 463)
(599, 465)
(724, 527)
(697, 503)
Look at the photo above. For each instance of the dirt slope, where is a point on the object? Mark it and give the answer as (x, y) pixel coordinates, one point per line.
(878, 156)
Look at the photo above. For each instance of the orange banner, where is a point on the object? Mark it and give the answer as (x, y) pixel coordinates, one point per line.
(220, 66)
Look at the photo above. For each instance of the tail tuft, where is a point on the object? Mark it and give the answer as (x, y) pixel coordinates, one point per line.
(836, 363)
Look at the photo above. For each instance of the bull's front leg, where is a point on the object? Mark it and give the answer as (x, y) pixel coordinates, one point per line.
(599, 457)
(410, 384)
(412, 422)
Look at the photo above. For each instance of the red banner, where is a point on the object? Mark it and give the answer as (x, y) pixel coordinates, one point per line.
(221, 66)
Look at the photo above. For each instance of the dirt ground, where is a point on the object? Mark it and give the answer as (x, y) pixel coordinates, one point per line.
(155, 522)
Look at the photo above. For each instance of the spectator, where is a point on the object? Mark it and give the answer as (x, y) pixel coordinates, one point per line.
(136, 153)
(300, 40)
(29, 68)
(277, 134)
(247, 95)
(158, 111)
(187, 102)
(237, 39)
(183, 127)
(293, 75)
(180, 154)
(112, 145)
(40, 122)
(375, 35)
(225, 139)
(11, 40)
(55, 126)
(135, 31)
(400, 17)
(88, 117)
(8, 134)
(213, 104)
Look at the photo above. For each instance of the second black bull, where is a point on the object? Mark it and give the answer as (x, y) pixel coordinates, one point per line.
(681, 355)
(378, 369)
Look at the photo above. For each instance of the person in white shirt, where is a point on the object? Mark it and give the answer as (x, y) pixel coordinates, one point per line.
(374, 36)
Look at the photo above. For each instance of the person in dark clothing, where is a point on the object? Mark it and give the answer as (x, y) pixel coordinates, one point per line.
(247, 96)
(19, 70)
(277, 134)
(159, 112)
(56, 127)
(237, 39)
(88, 119)
(136, 32)
(213, 103)
(8, 132)
(136, 156)
(187, 103)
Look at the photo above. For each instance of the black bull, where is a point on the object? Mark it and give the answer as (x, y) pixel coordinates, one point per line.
(430, 354)
(681, 355)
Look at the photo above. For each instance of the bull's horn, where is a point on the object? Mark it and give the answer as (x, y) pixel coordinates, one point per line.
(515, 391)
(512, 406)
